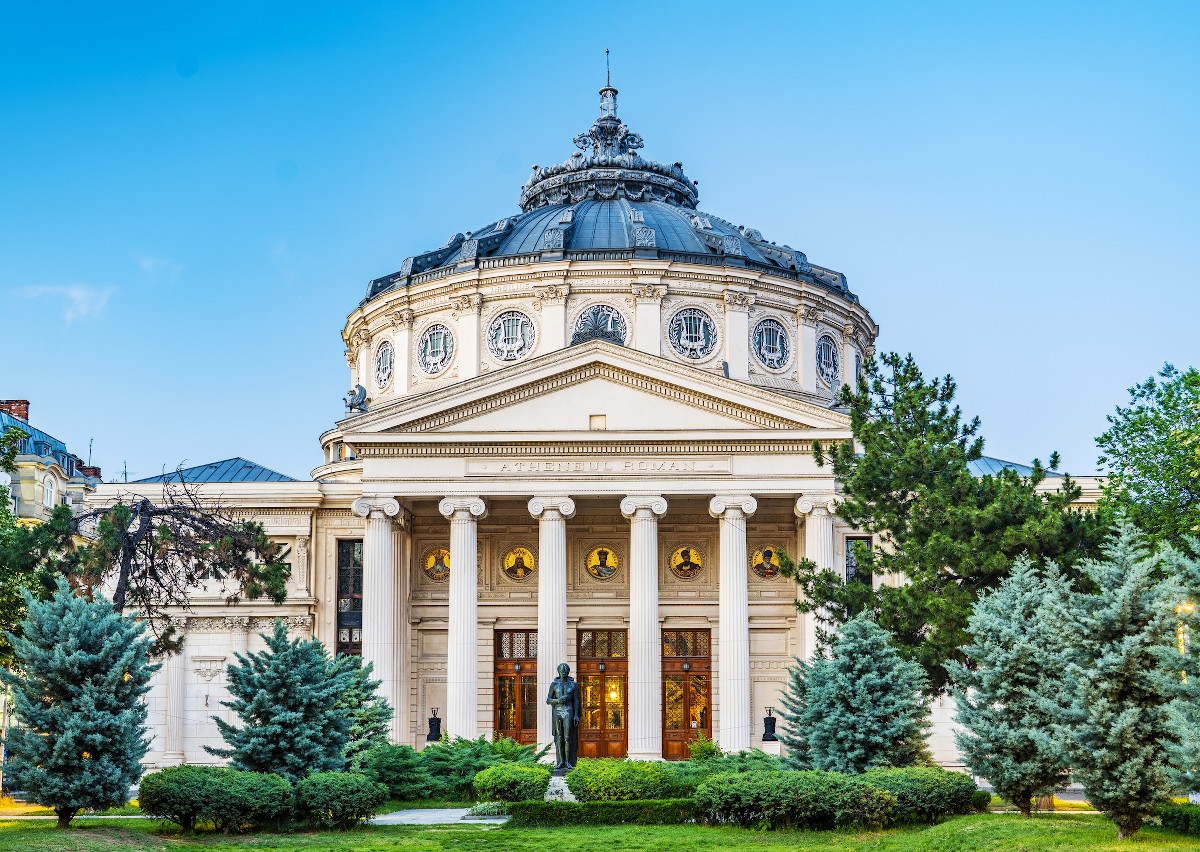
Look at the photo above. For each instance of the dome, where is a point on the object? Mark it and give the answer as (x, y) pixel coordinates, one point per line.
(606, 202)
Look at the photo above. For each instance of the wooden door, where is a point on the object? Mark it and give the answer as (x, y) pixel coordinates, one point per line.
(603, 680)
(687, 690)
(516, 685)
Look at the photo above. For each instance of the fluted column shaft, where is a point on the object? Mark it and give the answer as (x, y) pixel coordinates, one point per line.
(733, 648)
(818, 548)
(552, 514)
(176, 666)
(645, 653)
(462, 663)
(379, 592)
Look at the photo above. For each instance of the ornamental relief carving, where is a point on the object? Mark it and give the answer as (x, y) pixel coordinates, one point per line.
(600, 562)
(685, 562)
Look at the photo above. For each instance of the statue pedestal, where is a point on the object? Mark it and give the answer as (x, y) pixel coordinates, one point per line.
(772, 747)
(557, 791)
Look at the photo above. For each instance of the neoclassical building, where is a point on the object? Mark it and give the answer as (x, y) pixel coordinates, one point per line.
(581, 432)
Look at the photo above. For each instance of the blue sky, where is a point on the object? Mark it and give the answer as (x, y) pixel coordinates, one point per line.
(193, 196)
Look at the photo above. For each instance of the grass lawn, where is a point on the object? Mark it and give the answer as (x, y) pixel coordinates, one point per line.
(981, 833)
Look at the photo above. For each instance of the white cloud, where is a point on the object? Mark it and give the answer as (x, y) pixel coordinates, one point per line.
(80, 302)
(162, 270)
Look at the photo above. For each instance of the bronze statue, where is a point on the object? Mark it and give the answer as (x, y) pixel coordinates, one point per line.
(565, 704)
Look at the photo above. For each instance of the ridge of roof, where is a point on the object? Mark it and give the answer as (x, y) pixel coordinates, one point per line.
(236, 469)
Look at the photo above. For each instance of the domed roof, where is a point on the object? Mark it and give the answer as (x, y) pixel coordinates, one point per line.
(606, 202)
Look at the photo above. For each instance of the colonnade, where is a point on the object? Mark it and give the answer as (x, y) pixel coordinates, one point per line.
(643, 511)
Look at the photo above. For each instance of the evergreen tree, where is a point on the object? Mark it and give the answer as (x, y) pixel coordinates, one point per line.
(370, 712)
(792, 706)
(286, 698)
(78, 700)
(1001, 701)
(1121, 676)
(863, 706)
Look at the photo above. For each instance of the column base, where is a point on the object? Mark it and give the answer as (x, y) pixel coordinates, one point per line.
(645, 755)
(172, 758)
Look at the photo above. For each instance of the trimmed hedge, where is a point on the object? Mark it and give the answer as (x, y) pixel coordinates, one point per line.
(399, 768)
(1183, 818)
(339, 799)
(925, 794)
(981, 801)
(233, 800)
(611, 780)
(512, 782)
(689, 773)
(652, 812)
(791, 799)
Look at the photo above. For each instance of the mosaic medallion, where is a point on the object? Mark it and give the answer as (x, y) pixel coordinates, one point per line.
(685, 563)
(518, 564)
(602, 563)
(765, 563)
(436, 564)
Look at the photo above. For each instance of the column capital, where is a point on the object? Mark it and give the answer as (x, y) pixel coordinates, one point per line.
(811, 503)
(722, 503)
(470, 506)
(565, 506)
(635, 502)
(366, 506)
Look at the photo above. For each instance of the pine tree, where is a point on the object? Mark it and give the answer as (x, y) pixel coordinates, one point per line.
(370, 712)
(793, 704)
(1121, 677)
(864, 707)
(1001, 701)
(286, 698)
(82, 731)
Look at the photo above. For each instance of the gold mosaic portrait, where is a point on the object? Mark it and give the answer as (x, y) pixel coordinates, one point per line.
(765, 562)
(436, 564)
(602, 563)
(518, 563)
(686, 563)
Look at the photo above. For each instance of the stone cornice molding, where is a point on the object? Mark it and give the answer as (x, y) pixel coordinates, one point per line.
(816, 503)
(451, 507)
(635, 503)
(565, 506)
(365, 507)
(723, 503)
(525, 448)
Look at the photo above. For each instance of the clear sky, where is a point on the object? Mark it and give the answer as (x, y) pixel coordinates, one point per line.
(193, 196)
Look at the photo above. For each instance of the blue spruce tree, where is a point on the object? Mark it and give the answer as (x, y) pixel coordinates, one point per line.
(370, 712)
(287, 700)
(83, 670)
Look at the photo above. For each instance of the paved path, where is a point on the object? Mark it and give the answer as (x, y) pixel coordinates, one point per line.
(434, 816)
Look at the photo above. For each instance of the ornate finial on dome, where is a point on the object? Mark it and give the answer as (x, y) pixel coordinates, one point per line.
(608, 95)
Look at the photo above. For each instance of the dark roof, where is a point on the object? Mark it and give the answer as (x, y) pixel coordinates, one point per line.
(988, 466)
(235, 469)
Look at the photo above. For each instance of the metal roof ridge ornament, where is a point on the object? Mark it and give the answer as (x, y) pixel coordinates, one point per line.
(607, 166)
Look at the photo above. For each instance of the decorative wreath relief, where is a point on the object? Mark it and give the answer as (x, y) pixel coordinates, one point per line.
(435, 349)
(602, 563)
(518, 564)
(600, 322)
(436, 564)
(771, 344)
(385, 363)
(827, 360)
(692, 333)
(685, 563)
(510, 335)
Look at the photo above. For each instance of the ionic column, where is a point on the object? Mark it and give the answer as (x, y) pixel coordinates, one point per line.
(645, 653)
(733, 649)
(239, 635)
(379, 591)
(552, 514)
(176, 712)
(462, 663)
(817, 513)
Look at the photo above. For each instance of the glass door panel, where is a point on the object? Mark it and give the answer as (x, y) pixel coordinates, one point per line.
(614, 703)
(506, 703)
(592, 699)
(674, 703)
(529, 703)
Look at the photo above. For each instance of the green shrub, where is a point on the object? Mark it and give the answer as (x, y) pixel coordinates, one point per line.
(401, 770)
(689, 773)
(925, 794)
(702, 748)
(250, 801)
(453, 764)
(1180, 817)
(551, 814)
(339, 799)
(512, 782)
(488, 809)
(182, 794)
(981, 801)
(610, 780)
(791, 799)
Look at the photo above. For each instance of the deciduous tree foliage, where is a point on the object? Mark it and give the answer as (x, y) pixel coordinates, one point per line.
(370, 712)
(286, 698)
(1002, 701)
(950, 535)
(78, 699)
(1151, 452)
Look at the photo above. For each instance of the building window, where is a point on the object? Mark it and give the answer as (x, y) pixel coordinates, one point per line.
(686, 643)
(602, 645)
(349, 596)
(853, 573)
(50, 494)
(516, 644)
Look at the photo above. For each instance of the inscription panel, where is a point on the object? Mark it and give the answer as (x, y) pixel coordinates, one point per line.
(551, 468)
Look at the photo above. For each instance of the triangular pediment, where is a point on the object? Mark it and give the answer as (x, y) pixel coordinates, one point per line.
(561, 391)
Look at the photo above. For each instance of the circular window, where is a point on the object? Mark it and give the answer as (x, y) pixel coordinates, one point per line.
(385, 362)
(600, 322)
(771, 344)
(435, 349)
(693, 334)
(510, 335)
(827, 360)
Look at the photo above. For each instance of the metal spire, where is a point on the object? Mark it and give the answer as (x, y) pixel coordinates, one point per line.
(608, 95)
(607, 70)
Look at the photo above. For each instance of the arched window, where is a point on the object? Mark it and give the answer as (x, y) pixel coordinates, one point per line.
(50, 493)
